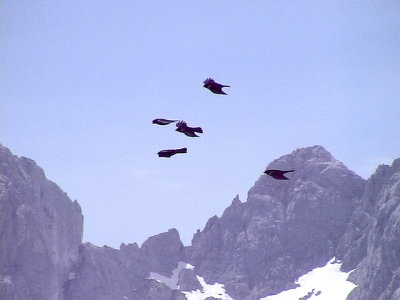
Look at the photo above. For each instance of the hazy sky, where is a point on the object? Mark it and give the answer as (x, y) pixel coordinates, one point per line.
(81, 82)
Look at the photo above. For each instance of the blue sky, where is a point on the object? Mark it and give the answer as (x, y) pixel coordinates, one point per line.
(81, 82)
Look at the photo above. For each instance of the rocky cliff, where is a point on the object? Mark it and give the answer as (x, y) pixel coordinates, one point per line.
(256, 248)
(40, 231)
(371, 243)
(285, 228)
(42, 255)
(107, 273)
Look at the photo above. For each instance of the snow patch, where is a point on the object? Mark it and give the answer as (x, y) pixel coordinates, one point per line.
(323, 283)
(6, 279)
(71, 275)
(171, 282)
(215, 290)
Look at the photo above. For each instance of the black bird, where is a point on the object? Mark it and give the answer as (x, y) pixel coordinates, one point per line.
(170, 152)
(214, 87)
(163, 121)
(278, 174)
(188, 131)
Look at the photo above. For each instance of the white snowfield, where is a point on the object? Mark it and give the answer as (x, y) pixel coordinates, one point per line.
(208, 290)
(216, 290)
(324, 283)
(171, 282)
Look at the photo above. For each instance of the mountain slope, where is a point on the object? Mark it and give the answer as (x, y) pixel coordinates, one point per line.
(371, 243)
(107, 273)
(255, 249)
(285, 229)
(40, 231)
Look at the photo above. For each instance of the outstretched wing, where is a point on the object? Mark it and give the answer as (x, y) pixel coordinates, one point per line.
(171, 152)
(163, 121)
(278, 174)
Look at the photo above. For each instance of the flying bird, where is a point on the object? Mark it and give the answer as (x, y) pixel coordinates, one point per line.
(214, 87)
(188, 131)
(278, 174)
(170, 152)
(163, 121)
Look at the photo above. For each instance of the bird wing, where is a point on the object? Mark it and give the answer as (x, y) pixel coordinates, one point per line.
(288, 171)
(190, 133)
(197, 129)
(163, 121)
(164, 153)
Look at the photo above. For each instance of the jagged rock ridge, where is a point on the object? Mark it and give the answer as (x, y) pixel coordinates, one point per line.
(285, 228)
(40, 230)
(256, 248)
(371, 243)
(107, 273)
(42, 255)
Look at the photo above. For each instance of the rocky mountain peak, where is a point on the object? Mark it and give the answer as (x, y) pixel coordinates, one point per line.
(304, 156)
(163, 251)
(314, 166)
(371, 242)
(41, 230)
(236, 201)
(285, 227)
(255, 248)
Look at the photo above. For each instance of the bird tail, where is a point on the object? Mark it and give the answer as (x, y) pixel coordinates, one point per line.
(198, 129)
(289, 171)
(182, 150)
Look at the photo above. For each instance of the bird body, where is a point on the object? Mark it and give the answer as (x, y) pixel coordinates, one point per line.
(163, 121)
(170, 152)
(214, 87)
(188, 131)
(278, 174)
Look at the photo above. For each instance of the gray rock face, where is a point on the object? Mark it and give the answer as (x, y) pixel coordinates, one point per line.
(42, 256)
(163, 252)
(40, 231)
(285, 229)
(188, 281)
(256, 248)
(371, 244)
(107, 273)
